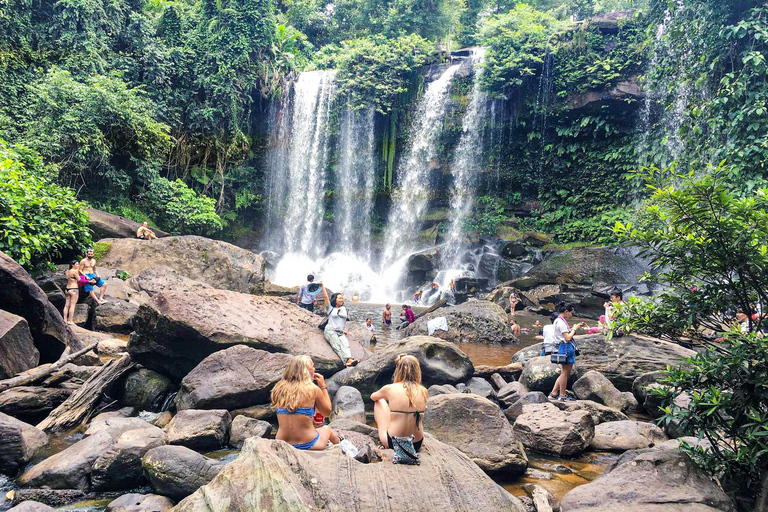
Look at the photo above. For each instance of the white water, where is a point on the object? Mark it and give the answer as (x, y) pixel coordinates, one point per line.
(413, 174)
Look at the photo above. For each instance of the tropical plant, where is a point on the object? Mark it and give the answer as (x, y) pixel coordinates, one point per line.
(178, 209)
(486, 217)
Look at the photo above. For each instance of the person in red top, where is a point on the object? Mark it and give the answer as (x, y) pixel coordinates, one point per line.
(408, 317)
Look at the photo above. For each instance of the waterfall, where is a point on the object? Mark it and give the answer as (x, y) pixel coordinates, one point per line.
(466, 163)
(355, 183)
(298, 166)
(413, 173)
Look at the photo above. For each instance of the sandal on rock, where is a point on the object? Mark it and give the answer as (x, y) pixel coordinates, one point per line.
(351, 362)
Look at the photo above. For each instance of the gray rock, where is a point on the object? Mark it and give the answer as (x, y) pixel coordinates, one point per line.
(31, 506)
(82, 314)
(511, 393)
(119, 467)
(545, 428)
(177, 471)
(154, 280)
(115, 316)
(516, 409)
(17, 349)
(146, 390)
(444, 389)
(540, 374)
(498, 381)
(441, 363)
(115, 424)
(476, 427)
(348, 403)
(244, 427)
(674, 444)
(140, 503)
(112, 347)
(619, 436)
(31, 403)
(650, 481)
(234, 378)
(200, 429)
(475, 321)
(594, 386)
(18, 443)
(480, 387)
(600, 413)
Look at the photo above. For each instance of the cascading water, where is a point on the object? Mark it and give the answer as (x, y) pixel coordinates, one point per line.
(413, 176)
(465, 167)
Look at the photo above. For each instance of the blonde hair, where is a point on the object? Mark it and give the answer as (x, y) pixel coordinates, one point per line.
(408, 373)
(296, 387)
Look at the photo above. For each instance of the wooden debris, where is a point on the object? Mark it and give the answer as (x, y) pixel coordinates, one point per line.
(32, 376)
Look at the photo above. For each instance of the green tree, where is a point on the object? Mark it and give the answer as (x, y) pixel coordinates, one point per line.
(177, 208)
(39, 220)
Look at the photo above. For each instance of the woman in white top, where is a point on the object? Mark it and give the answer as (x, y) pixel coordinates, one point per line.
(563, 340)
(548, 333)
(334, 331)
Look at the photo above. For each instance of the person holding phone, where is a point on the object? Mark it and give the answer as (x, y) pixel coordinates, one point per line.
(565, 343)
(334, 332)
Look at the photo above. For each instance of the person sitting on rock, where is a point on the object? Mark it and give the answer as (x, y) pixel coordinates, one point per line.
(334, 332)
(88, 268)
(398, 408)
(295, 399)
(144, 233)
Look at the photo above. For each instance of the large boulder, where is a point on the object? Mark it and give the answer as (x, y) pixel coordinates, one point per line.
(650, 481)
(31, 506)
(214, 262)
(18, 443)
(140, 503)
(272, 475)
(32, 403)
(107, 225)
(17, 349)
(20, 295)
(119, 467)
(596, 387)
(154, 280)
(545, 428)
(587, 265)
(234, 378)
(600, 413)
(540, 374)
(620, 436)
(474, 321)
(115, 316)
(511, 393)
(115, 423)
(621, 360)
(441, 363)
(348, 404)
(244, 427)
(177, 471)
(476, 427)
(200, 430)
(146, 390)
(175, 331)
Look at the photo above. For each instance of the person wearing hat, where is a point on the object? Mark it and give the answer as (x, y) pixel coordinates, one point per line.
(307, 298)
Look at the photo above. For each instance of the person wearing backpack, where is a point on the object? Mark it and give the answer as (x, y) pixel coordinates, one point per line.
(335, 325)
(565, 354)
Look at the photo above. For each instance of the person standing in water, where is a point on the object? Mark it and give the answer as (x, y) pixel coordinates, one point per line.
(334, 331)
(386, 315)
(72, 291)
(88, 268)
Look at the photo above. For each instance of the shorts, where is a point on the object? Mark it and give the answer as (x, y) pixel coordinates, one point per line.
(570, 353)
(387, 322)
(89, 287)
(308, 307)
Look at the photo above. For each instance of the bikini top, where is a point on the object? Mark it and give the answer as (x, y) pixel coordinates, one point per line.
(306, 411)
(416, 414)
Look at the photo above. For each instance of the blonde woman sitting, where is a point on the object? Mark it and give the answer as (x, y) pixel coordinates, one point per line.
(295, 399)
(399, 406)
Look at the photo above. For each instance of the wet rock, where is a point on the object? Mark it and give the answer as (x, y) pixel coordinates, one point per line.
(219, 264)
(17, 349)
(19, 441)
(20, 295)
(146, 390)
(444, 389)
(119, 467)
(586, 265)
(542, 498)
(115, 424)
(31, 506)
(513, 249)
(516, 409)
(175, 331)
(540, 374)
(348, 403)
(511, 393)
(476, 427)
(653, 481)
(163, 419)
(140, 503)
(545, 428)
(474, 321)
(619, 436)
(244, 427)
(234, 378)
(70, 468)
(480, 387)
(177, 471)
(199, 429)
(594, 386)
(115, 316)
(441, 363)
(31, 403)
(600, 413)
(290, 479)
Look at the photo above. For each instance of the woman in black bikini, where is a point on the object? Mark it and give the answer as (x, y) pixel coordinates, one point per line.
(399, 406)
(72, 291)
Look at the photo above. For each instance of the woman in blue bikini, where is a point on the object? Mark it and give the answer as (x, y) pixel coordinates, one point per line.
(295, 399)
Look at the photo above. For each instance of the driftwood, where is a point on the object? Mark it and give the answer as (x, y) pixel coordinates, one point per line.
(77, 406)
(33, 376)
(433, 307)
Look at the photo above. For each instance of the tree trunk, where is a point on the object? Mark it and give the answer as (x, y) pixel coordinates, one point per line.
(29, 378)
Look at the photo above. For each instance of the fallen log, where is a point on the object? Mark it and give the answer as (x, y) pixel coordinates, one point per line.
(431, 308)
(33, 376)
(76, 407)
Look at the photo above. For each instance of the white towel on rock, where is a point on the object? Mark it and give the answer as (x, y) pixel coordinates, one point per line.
(437, 324)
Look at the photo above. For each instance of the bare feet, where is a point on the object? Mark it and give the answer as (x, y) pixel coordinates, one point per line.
(70, 323)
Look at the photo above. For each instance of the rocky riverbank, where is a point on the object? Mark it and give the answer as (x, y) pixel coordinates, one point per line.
(152, 413)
